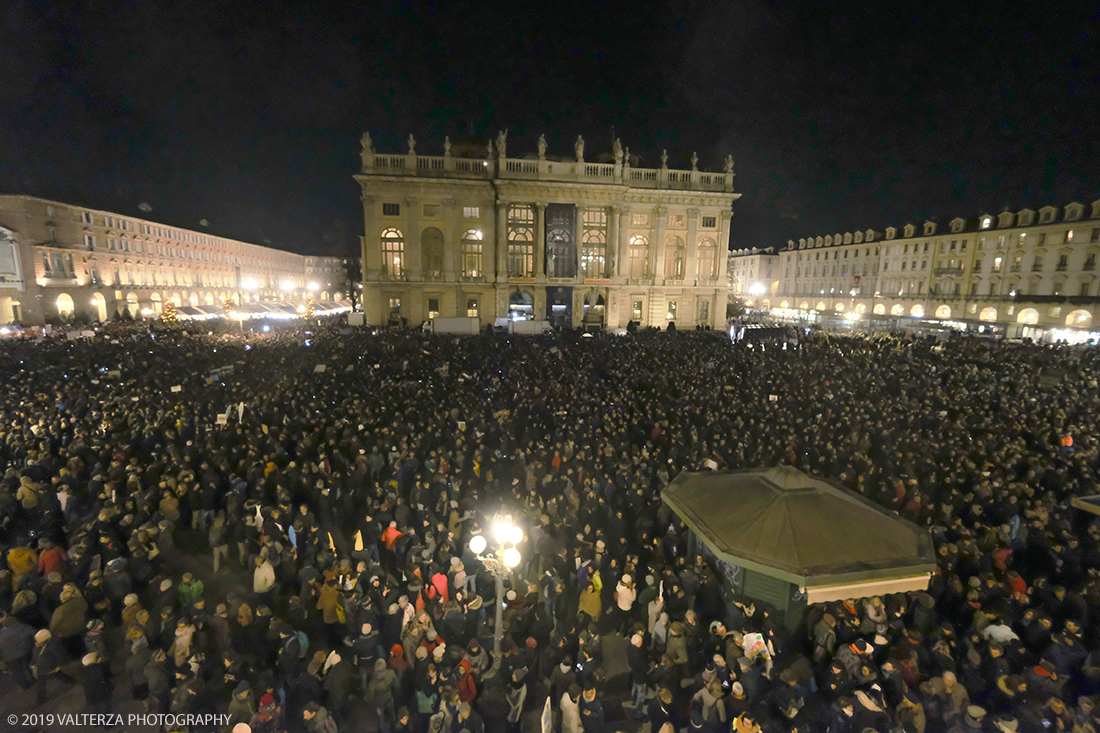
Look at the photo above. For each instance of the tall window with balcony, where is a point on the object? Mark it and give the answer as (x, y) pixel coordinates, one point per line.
(393, 252)
(639, 250)
(674, 259)
(472, 251)
(521, 241)
(594, 243)
(706, 259)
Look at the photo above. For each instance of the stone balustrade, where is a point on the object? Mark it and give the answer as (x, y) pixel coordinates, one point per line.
(447, 166)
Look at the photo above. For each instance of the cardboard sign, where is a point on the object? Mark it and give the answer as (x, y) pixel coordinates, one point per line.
(177, 388)
(712, 465)
(461, 424)
(223, 420)
(319, 368)
(773, 398)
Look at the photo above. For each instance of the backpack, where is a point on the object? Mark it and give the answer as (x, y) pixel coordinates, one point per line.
(303, 643)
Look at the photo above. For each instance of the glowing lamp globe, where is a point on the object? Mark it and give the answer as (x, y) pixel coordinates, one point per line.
(511, 557)
(515, 536)
(477, 544)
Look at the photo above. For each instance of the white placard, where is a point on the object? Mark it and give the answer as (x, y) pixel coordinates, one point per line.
(177, 388)
(461, 424)
(223, 420)
(773, 398)
(319, 368)
(95, 381)
(712, 465)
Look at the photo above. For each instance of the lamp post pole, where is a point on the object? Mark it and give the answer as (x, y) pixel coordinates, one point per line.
(500, 564)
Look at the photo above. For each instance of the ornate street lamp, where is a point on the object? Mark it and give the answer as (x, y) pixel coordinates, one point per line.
(501, 563)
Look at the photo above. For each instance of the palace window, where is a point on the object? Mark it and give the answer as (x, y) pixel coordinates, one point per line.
(594, 243)
(472, 249)
(521, 253)
(639, 249)
(393, 252)
(471, 212)
(706, 259)
(671, 314)
(710, 222)
(391, 209)
(674, 259)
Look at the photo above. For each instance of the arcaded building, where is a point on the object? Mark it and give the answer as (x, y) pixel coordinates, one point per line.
(1026, 273)
(59, 260)
(575, 242)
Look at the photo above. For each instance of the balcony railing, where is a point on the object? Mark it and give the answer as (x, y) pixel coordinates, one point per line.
(546, 170)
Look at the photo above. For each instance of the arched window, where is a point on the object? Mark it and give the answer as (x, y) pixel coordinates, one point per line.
(1029, 316)
(65, 305)
(521, 252)
(706, 250)
(594, 243)
(1079, 318)
(472, 249)
(431, 252)
(639, 252)
(521, 306)
(593, 253)
(674, 259)
(393, 252)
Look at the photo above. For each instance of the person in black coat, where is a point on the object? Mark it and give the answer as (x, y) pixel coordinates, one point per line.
(97, 683)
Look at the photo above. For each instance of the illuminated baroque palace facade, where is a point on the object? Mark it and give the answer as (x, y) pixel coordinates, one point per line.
(574, 242)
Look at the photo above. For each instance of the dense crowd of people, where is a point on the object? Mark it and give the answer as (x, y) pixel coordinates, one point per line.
(276, 526)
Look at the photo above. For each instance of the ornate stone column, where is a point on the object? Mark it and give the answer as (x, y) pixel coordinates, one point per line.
(501, 240)
(372, 244)
(690, 259)
(578, 232)
(623, 215)
(413, 266)
(611, 251)
(657, 267)
(451, 237)
(540, 241)
(723, 253)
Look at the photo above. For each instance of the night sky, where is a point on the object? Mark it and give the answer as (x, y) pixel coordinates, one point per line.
(840, 116)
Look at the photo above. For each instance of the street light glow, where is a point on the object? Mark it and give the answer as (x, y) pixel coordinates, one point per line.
(502, 530)
(287, 285)
(511, 557)
(477, 544)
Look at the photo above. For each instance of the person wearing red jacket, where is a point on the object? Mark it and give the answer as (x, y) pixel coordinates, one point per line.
(52, 559)
(467, 690)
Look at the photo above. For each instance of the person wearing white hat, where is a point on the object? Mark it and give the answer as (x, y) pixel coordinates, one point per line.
(46, 660)
(97, 683)
(624, 601)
